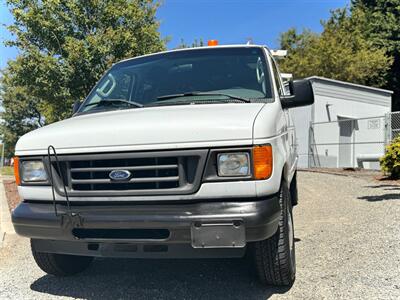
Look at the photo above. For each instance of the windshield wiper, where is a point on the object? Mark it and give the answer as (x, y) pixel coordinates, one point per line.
(103, 102)
(167, 97)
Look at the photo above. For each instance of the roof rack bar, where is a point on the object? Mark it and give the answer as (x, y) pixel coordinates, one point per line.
(279, 54)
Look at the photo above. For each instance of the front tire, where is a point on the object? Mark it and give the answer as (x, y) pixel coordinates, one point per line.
(60, 264)
(275, 257)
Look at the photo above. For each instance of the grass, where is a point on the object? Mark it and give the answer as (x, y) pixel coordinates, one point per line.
(7, 171)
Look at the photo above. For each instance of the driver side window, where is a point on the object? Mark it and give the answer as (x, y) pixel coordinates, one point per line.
(117, 86)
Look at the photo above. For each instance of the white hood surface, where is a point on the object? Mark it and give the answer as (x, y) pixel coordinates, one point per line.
(149, 128)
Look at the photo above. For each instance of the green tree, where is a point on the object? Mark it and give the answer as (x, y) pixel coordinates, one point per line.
(65, 46)
(196, 43)
(340, 52)
(21, 112)
(390, 162)
(382, 28)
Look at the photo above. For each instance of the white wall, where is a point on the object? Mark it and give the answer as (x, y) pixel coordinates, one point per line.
(348, 101)
(333, 99)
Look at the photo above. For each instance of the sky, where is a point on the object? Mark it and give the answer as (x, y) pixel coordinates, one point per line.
(228, 21)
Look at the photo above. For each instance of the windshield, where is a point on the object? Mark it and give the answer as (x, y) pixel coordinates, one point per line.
(197, 75)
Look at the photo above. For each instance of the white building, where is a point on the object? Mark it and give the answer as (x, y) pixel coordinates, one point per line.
(348, 125)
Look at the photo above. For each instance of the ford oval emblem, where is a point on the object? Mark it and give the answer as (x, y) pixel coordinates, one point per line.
(119, 175)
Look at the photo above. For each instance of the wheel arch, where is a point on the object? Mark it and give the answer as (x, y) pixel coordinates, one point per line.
(291, 182)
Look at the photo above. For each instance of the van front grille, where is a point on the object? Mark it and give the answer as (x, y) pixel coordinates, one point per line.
(175, 172)
(146, 173)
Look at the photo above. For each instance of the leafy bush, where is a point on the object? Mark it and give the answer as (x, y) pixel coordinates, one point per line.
(390, 162)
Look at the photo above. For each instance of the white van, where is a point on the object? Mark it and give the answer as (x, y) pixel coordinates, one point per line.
(184, 153)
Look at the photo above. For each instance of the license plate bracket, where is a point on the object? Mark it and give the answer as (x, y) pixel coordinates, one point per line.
(218, 235)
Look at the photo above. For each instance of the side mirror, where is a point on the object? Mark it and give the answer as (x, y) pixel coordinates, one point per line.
(301, 94)
(75, 106)
(288, 87)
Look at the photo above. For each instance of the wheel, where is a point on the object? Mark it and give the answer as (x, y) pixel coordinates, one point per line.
(275, 257)
(60, 264)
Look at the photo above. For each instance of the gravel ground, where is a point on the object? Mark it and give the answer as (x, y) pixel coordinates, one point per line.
(10, 188)
(347, 243)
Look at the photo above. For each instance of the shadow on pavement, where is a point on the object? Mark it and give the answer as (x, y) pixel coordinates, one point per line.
(392, 195)
(385, 186)
(160, 279)
(383, 197)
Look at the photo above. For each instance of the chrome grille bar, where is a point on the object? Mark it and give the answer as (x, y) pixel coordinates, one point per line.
(129, 168)
(133, 180)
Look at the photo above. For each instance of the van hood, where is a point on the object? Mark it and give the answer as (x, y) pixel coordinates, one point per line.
(151, 128)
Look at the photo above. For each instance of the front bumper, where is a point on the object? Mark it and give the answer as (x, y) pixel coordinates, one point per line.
(61, 234)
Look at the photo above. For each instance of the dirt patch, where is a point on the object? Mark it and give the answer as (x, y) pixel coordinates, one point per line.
(11, 190)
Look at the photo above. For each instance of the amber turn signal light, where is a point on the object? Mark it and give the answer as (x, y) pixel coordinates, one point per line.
(212, 43)
(16, 170)
(262, 162)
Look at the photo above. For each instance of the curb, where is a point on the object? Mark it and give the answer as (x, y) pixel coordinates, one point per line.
(6, 226)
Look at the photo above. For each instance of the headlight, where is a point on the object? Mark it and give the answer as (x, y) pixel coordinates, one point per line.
(33, 171)
(233, 164)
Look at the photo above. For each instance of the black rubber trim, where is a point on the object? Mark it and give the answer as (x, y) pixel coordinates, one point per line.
(128, 250)
(150, 202)
(144, 234)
